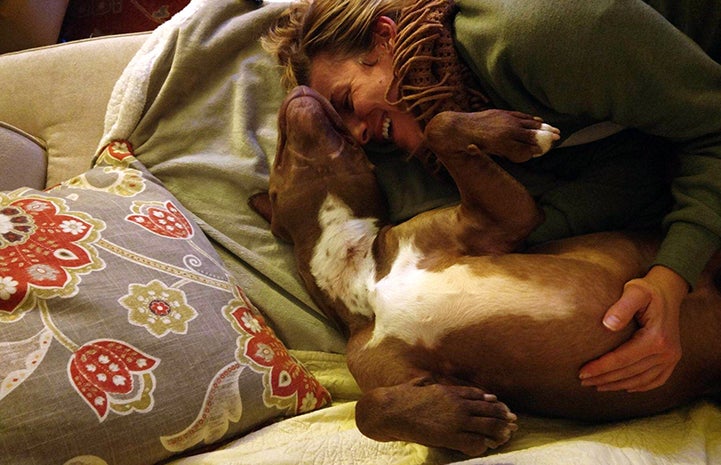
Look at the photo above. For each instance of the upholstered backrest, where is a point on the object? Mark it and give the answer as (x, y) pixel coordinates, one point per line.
(63, 109)
(23, 159)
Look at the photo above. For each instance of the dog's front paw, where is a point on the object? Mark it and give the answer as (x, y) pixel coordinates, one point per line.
(481, 420)
(513, 135)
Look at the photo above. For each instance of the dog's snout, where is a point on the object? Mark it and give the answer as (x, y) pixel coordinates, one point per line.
(312, 132)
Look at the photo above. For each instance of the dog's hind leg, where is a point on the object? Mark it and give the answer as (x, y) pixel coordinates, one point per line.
(403, 401)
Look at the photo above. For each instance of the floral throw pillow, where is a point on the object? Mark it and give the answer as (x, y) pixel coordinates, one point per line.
(123, 340)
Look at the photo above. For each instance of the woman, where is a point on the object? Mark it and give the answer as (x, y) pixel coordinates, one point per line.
(620, 79)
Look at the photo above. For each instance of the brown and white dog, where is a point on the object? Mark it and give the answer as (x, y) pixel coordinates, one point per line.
(443, 319)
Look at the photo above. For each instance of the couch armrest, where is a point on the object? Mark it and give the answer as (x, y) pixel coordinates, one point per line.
(23, 159)
(58, 94)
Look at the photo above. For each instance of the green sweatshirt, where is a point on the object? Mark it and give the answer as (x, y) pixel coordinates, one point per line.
(576, 63)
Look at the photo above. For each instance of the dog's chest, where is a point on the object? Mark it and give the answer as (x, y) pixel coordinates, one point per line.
(411, 303)
(342, 264)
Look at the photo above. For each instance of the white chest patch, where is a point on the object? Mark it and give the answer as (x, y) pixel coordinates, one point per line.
(410, 303)
(342, 263)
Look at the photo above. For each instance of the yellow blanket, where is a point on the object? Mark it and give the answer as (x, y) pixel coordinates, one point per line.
(685, 436)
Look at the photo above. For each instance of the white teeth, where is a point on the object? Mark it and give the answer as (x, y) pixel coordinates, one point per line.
(386, 129)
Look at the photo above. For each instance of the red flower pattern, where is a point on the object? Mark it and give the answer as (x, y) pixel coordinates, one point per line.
(120, 150)
(164, 220)
(287, 380)
(107, 370)
(43, 246)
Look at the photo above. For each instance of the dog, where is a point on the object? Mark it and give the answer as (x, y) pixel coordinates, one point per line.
(447, 325)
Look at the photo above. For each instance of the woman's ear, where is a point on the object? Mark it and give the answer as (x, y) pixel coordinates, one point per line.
(385, 31)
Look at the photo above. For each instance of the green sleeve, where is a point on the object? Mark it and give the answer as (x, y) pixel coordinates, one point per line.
(579, 63)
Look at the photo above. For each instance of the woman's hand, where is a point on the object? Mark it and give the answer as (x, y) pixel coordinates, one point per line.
(647, 360)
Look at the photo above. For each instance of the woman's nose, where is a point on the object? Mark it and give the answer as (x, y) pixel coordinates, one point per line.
(359, 129)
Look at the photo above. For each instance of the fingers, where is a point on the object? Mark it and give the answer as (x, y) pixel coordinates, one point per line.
(640, 377)
(645, 380)
(648, 359)
(633, 300)
(634, 376)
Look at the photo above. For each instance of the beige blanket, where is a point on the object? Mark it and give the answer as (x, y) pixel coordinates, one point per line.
(198, 102)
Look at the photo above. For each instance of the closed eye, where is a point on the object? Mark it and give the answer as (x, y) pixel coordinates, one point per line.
(343, 103)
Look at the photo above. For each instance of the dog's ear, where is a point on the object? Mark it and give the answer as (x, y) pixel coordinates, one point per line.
(260, 203)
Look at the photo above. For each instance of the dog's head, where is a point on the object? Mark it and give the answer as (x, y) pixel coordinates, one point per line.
(317, 155)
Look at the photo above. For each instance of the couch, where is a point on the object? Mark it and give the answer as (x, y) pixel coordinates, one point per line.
(148, 315)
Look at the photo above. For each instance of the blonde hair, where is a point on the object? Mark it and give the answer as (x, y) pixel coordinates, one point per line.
(308, 28)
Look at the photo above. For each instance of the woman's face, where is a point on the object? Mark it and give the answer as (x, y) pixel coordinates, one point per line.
(357, 88)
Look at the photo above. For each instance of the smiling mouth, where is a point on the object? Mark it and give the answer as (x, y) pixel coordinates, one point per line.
(387, 131)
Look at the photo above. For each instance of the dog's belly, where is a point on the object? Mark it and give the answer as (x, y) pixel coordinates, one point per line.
(422, 307)
(523, 334)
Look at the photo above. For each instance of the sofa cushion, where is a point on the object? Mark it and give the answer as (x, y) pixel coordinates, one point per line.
(23, 159)
(123, 339)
